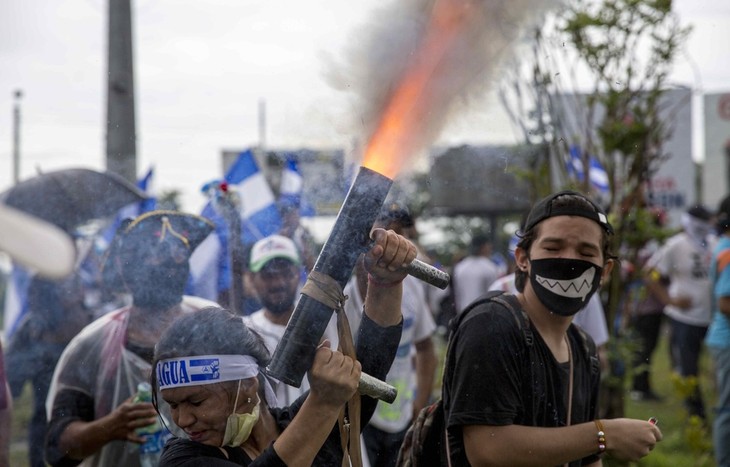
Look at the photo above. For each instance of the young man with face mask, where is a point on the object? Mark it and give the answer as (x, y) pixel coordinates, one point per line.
(275, 268)
(93, 417)
(510, 400)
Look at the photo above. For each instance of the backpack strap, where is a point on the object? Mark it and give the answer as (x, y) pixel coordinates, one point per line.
(523, 321)
(473, 310)
(589, 347)
(508, 301)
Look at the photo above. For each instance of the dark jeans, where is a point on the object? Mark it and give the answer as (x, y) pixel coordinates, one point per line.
(382, 447)
(685, 344)
(647, 329)
(34, 362)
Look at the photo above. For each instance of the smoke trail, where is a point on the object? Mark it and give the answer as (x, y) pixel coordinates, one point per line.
(468, 39)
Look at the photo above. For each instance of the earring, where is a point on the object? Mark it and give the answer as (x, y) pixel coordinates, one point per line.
(248, 401)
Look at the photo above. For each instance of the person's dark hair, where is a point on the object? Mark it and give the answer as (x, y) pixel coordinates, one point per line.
(395, 212)
(566, 202)
(700, 212)
(477, 242)
(209, 331)
(723, 216)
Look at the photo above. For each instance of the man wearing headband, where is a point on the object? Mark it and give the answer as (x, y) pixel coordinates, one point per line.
(683, 262)
(521, 385)
(92, 415)
(208, 370)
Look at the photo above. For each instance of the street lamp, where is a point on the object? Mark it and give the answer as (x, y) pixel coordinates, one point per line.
(18, 94)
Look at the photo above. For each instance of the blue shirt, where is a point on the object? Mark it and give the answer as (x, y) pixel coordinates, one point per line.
(719, 333)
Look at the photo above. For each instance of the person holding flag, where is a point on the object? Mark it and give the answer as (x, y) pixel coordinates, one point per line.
(292, 207)
(242, 205)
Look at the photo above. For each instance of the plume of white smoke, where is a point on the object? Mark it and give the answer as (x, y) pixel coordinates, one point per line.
(384, 49)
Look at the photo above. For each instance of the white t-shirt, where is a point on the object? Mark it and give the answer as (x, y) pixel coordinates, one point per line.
(687, 266)
(418, 324)
(472, 277)
(591, 318)
(272, 334)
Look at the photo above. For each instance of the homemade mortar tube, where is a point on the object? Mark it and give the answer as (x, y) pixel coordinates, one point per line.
(350, 237)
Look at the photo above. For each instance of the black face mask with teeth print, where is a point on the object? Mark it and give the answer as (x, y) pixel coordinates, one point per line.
(564, 285)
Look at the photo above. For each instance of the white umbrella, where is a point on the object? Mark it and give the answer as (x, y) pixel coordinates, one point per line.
(36, 244)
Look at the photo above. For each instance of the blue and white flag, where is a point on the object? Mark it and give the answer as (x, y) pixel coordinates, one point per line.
(133, 210)
(259, 213)
(291, 189)
(596, 173)
(210, 269)
(210, 263)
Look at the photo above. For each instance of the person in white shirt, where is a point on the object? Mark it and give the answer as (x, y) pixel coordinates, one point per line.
(684, 263)
(474, 274)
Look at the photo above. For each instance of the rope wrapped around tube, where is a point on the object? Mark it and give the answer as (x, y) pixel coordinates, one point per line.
(327, 291)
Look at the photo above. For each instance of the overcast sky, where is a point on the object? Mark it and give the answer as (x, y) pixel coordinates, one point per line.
(201, 68)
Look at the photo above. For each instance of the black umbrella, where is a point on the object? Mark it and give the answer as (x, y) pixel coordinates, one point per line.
(71, 197)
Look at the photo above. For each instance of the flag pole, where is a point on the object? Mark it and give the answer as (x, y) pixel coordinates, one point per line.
(231, 213)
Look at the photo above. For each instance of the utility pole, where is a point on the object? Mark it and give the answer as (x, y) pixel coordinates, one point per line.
(18, 94)
(262, 125)
(121, 136)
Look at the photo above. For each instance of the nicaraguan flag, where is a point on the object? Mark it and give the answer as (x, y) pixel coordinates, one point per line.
(258, 208)
(146, 184)
(596, 173)
(210, 263)
(291, 189)
(133, 210)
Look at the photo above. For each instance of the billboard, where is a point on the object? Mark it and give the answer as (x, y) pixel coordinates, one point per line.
(715, 173)
(672, 187)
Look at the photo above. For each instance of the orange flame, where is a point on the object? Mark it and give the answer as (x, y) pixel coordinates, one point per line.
(398, 133)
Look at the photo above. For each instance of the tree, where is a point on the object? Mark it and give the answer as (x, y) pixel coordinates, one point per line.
(624, 49)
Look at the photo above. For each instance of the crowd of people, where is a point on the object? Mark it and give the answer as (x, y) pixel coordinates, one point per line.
(514, 392)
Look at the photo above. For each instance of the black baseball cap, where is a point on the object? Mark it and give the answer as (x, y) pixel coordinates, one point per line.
(723, 215)
(700, 212)
(545, 209)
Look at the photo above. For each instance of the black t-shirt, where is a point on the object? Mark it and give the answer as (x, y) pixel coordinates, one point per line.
(494, 376)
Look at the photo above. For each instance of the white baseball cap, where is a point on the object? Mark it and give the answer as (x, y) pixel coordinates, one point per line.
(274, 246)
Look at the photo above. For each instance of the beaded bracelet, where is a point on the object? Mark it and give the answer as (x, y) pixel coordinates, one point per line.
(601, 437)
(372, 280)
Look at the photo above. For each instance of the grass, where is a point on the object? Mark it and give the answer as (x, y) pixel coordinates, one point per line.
(680, 435)
(686, 441)
(22, 412)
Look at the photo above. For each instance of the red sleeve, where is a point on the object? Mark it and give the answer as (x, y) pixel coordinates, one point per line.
(723, 259)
